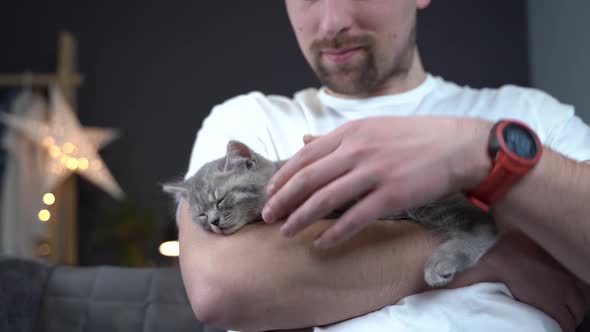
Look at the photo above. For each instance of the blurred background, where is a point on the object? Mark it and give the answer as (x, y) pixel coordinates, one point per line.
(153, 70)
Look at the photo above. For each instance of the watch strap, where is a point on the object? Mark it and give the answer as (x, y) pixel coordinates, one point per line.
(507, 167)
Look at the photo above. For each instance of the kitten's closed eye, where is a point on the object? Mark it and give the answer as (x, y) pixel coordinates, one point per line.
(203, 218)
(219, 201)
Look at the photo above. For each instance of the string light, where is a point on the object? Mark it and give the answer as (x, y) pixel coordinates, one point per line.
(44, 249)
(72, 163)
(83, 164)
(44, 215)
(170, 248)
(49, 199)
(68, 147)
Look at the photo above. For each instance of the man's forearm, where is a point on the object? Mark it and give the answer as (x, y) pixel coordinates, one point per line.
(256, 279)
(552, 206)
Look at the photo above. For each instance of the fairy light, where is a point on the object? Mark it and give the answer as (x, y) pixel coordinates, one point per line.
(49, 199)
(68, 147)
(44, 249)
(72, 163)
(44, 215)
(83, 164)
(170, 248)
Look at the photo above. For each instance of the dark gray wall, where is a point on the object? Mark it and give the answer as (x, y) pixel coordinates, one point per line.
(155, 69)
(559, 50)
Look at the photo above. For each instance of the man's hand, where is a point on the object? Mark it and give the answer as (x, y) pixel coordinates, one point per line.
(533, 277)
(387, 164)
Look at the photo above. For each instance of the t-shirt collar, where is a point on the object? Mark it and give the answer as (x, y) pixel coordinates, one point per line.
(350, 104)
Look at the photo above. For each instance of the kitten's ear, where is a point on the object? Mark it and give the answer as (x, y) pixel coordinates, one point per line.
(178, 189)
(239, 155)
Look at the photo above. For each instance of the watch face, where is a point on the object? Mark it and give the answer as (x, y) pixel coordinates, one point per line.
(520, 141)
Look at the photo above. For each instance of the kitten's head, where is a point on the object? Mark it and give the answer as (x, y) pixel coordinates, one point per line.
(227, 193)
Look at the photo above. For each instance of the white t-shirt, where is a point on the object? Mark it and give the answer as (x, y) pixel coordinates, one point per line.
(274, 126)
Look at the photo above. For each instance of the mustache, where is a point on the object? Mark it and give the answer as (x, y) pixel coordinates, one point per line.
(340, 42)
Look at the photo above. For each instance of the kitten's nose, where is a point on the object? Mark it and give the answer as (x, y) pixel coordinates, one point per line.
(215, 222)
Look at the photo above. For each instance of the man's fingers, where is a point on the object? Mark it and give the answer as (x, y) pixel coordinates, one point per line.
(334, 195)
(307, 155)
(303, 184)
(356, 218)
(320, 146)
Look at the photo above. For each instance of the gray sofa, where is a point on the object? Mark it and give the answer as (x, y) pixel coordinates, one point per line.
(42, 297)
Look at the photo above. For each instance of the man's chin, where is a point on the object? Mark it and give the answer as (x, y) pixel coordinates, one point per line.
(344, 86)
(341, 80)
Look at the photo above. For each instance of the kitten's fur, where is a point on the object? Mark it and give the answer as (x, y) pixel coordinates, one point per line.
(228, 193)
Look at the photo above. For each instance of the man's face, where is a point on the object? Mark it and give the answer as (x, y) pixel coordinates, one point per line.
(356, 46)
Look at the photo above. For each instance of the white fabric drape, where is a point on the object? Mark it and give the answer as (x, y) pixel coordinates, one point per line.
(20, 229)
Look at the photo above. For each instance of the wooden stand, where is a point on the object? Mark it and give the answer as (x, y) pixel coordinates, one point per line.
(61, 241)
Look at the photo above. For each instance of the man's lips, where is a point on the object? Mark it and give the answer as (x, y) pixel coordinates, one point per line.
(340, 55)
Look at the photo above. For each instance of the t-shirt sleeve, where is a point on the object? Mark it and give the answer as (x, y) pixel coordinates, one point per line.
(236, 119)
(567, 133)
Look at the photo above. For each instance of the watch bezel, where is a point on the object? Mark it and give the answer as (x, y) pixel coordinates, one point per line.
(497, 142)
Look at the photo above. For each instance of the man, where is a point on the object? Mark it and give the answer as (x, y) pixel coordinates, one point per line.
(388, 132)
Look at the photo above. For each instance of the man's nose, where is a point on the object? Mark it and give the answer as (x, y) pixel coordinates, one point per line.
(336, 17)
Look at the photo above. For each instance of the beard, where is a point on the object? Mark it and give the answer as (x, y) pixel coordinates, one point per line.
(365, 73)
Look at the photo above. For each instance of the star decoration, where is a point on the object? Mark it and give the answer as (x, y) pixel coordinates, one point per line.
(70, 147)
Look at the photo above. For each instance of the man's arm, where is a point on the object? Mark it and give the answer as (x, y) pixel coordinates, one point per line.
(552, 206)
(377, 159)
(256, 279)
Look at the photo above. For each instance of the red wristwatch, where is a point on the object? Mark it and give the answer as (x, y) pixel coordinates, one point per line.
(514, 149)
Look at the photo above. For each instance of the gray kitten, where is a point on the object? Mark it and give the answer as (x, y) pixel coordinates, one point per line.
(230, 192)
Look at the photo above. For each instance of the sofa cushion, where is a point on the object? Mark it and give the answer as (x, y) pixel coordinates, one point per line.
(21, 289)
(116, 299)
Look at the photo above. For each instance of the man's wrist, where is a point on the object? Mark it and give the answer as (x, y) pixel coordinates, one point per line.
(473, 164)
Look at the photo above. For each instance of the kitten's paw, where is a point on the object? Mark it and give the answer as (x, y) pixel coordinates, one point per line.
(439, 272)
